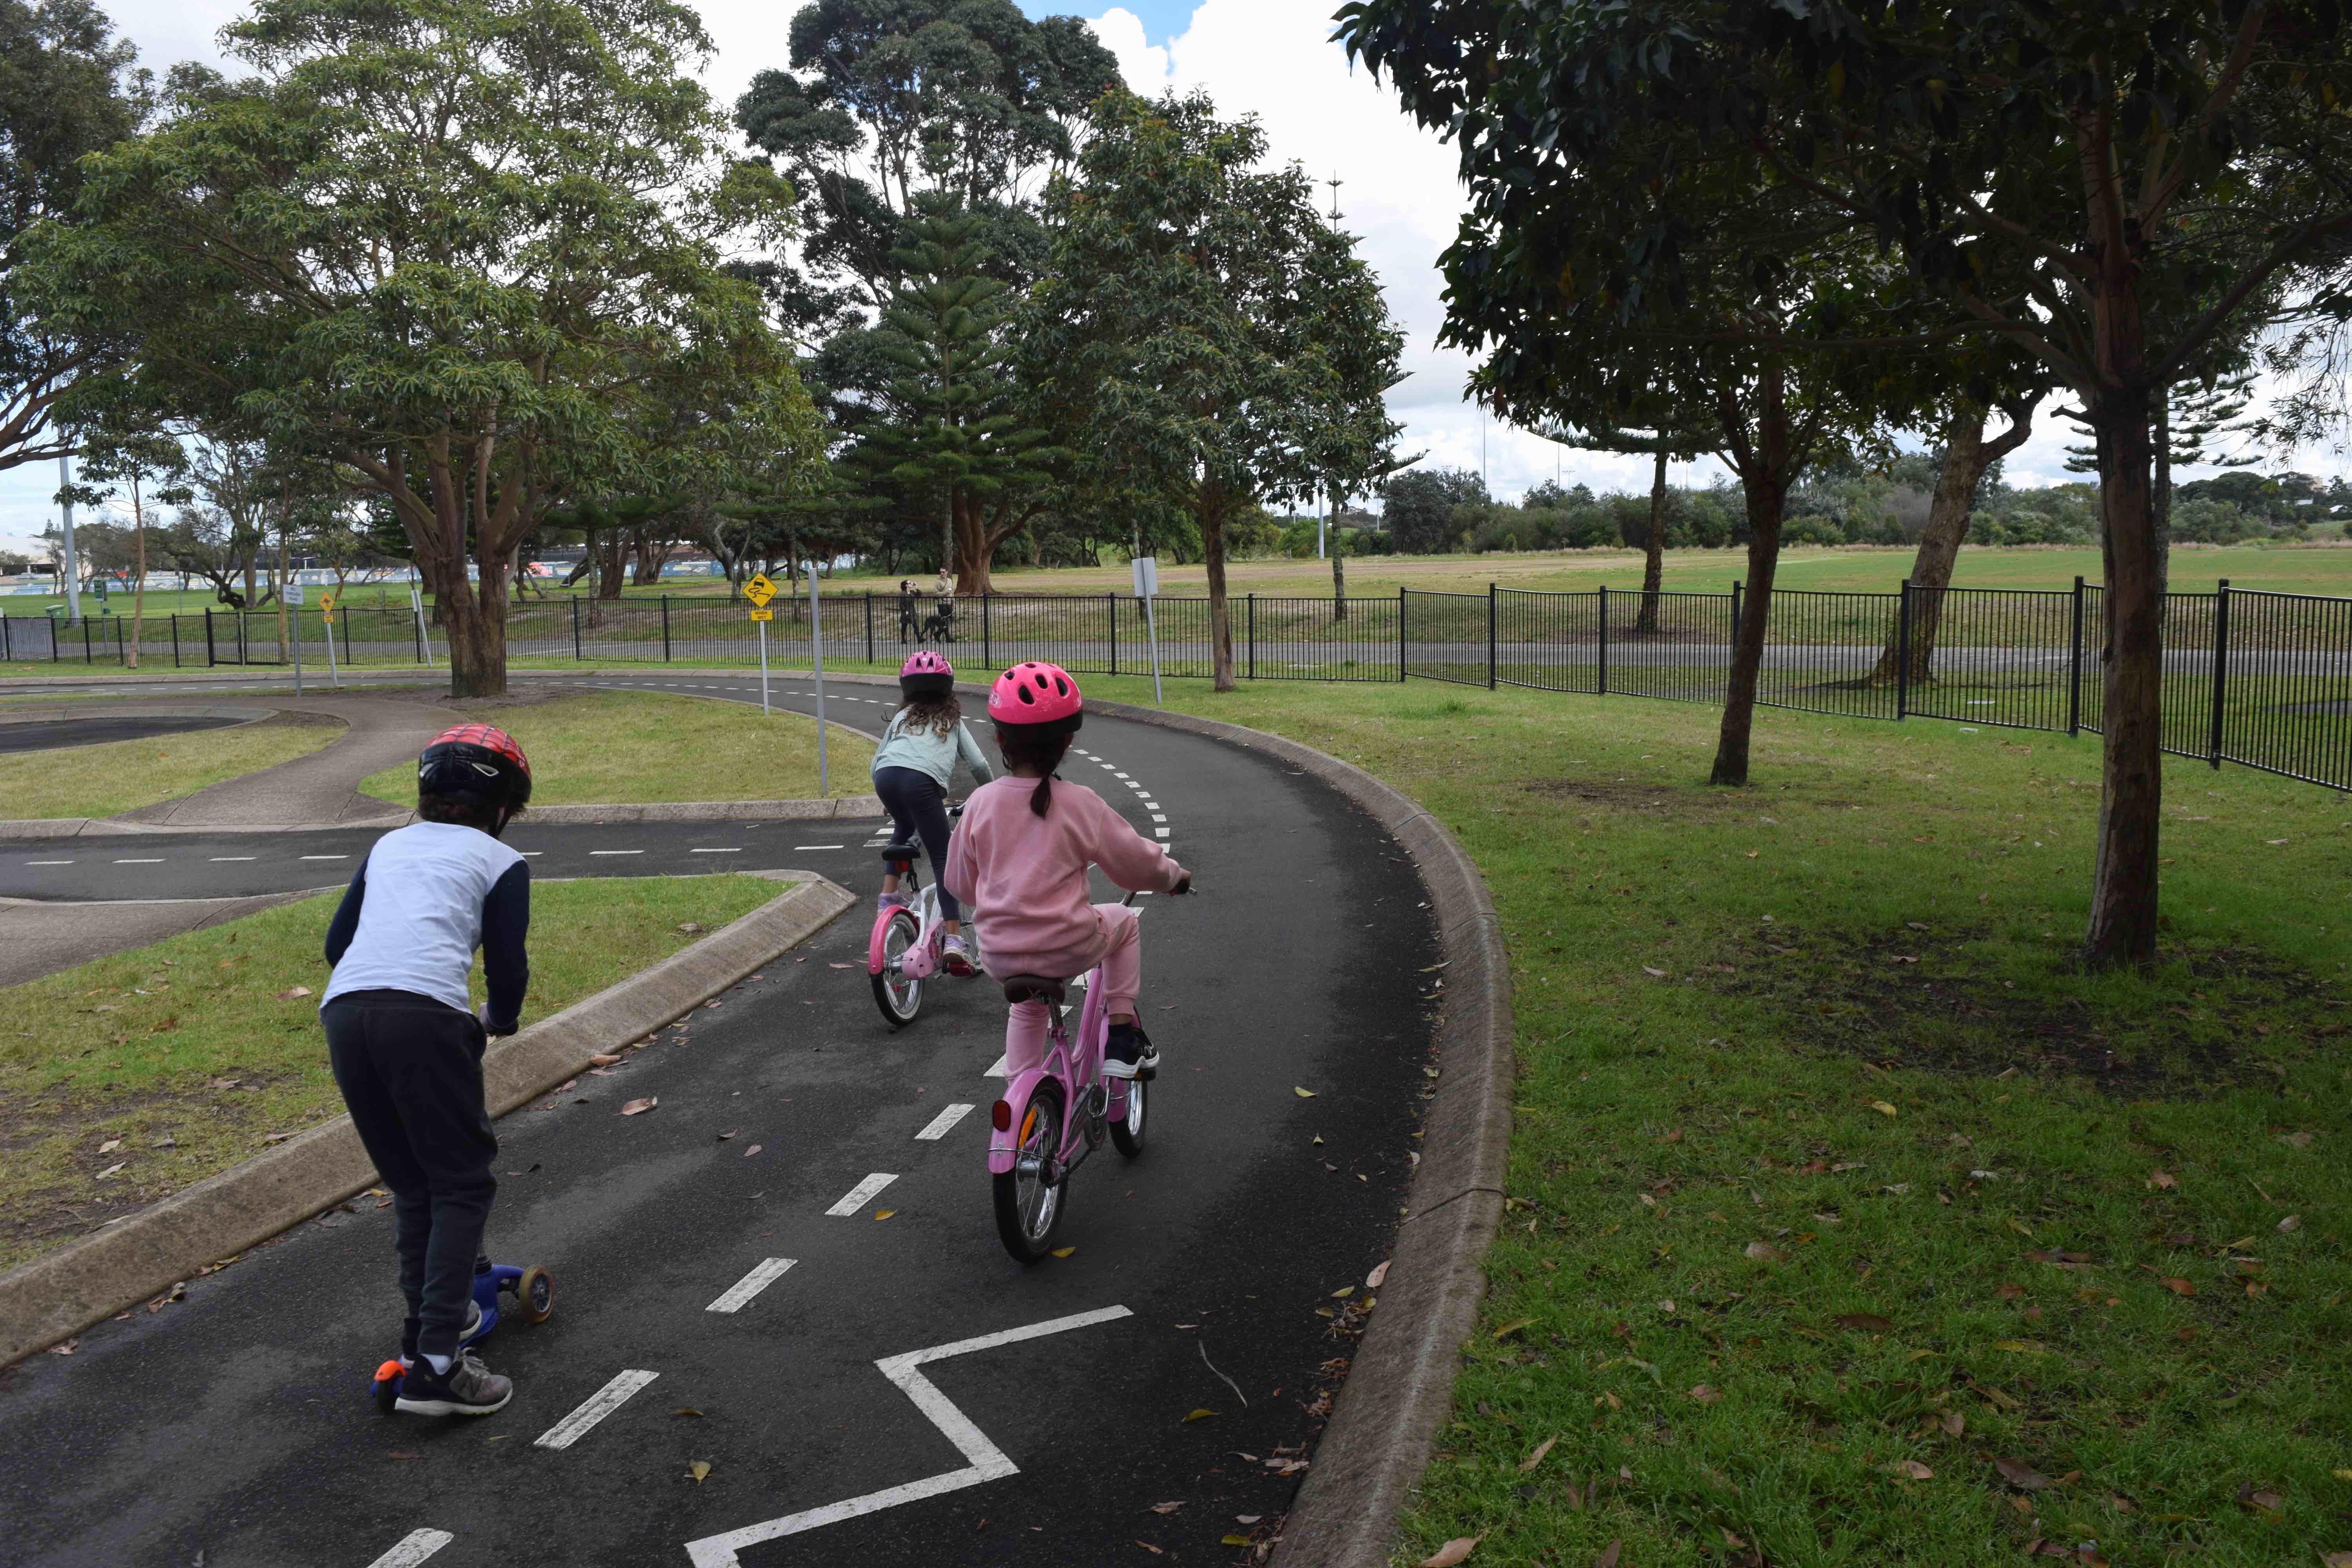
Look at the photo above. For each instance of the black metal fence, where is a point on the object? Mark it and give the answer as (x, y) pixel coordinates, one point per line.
(2259, 678)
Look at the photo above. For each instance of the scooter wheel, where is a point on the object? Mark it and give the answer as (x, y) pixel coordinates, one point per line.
(535, 1295)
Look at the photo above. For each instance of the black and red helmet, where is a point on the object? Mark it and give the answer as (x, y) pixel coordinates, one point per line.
(479, 760)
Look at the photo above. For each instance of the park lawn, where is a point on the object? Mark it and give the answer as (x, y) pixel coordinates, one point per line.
(611, 747)
(119, 775)
(1828, 1163)
(127, 1078)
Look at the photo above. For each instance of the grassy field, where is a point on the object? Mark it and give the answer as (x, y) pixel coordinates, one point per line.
(119, 776)
(619, 747)
(129, 1077)
(1848, 1222)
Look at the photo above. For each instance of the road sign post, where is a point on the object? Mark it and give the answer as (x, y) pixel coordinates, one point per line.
(759, 589)
(1146, 587)
(423, 632)
(326, 619)
(292, 592)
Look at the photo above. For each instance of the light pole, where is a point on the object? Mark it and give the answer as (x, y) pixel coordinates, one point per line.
(1321, 530)
(72, 567)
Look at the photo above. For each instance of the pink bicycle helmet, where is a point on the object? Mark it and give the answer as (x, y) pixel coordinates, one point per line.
(1035, 693)
(926, 675)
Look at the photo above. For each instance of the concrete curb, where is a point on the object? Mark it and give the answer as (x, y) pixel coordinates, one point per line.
(90, 1280)
(840, 807)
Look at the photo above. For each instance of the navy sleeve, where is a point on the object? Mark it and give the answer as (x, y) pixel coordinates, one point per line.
(505, 922)
(346, 924)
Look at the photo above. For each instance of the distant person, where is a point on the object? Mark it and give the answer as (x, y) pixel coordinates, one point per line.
(920, 747)
(406, 1048)
(910, 622)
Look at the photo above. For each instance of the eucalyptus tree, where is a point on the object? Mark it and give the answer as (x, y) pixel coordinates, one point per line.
(2114, 186)
(1205, 335)
(453, 246)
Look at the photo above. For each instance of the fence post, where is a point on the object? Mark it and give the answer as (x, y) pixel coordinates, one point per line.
(211, 656)
(2074, 668)
(1903, 653)
(869, 626)
(175, 640)
(1490, 637)
(87, 656)
(575, 629)
(1253, 635)
(415, 632)
(1738, 592)
(987, 655)
(2220, 662)
(3, 638)
(1604, 640)
(1112, 600)
(347, 638)
(665, 599)
(1400, 633)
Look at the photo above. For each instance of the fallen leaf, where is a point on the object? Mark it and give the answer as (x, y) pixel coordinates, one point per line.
(1911, 1469)
(841, 966)
(726, 1135)
(1379, 1272)
(2296, 1140)
(604, 1059)
(1866, 1322)
(751, 1151)
(689, 927)
(697, 1470)
(1231, 1540)
(885, 1214)
(1247, 1518)
(2292, 1222)
(112, 1170)
(686, 1410)
(1302, 1093)
(64, 1347)
(1197, 1416)
(1608, 1558)
(1166, 1507)
(1707, 1393)
(291, 992)
(1880, 1107)
(1064, 1251)
(2018, 1347)
(1532, 1460)
(2177, 1286)
(1765, 1252)
(638, 1107)
(2021, 1474)
(110, 1146)
(2162, 1178)
(1155, 1550)
(1512, 1327)
(1954, 1423)
(1456, 1551)
(2269, 1502)
(2336, 1560)
(2010, 1293)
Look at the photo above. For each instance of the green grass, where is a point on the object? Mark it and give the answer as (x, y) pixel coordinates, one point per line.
(1720, 995)
(204, 1040)
(610, 748)
(119, 776)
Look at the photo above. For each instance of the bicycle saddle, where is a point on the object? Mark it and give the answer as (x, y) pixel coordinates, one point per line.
(895, 853)
(1034, 988)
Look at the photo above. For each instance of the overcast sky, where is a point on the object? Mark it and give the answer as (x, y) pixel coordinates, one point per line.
(1267, 58)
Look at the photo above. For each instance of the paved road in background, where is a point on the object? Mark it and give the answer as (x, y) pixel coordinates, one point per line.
(231, 1428)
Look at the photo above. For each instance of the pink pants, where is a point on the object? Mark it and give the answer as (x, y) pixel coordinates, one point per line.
(1120, 954)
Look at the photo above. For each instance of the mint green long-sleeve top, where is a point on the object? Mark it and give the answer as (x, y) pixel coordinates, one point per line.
(927, 751)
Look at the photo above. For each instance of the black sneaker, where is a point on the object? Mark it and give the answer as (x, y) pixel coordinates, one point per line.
(1128, 1053)
(467, 1388)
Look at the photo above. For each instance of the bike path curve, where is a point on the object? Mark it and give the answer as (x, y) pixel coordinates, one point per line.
(233, 1425)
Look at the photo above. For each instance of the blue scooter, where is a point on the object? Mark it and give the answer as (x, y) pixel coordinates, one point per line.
(534, 1292)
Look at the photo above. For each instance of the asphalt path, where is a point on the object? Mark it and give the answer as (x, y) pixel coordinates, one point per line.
(230, 1428)
(51, 735)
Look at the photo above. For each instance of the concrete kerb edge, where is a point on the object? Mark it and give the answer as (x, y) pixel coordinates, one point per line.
(1400, 1388)
(91, 1280)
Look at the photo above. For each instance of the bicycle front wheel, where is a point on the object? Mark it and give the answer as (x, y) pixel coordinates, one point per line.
(1126, 1131)
(1028, 1210)
(898, 993)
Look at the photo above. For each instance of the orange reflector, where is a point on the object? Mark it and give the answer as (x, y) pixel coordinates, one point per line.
(387, 1372)
(1000, 1116)
(1028, 1124)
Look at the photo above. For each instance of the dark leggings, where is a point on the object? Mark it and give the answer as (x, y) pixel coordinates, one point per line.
(919, 805)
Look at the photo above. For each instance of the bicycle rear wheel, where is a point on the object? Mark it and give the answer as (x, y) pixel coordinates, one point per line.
(897, 993)
(1028, 1210)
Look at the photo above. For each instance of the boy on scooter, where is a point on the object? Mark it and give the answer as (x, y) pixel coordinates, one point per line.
(406, 1049)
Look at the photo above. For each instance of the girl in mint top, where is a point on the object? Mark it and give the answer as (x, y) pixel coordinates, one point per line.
(920, 747)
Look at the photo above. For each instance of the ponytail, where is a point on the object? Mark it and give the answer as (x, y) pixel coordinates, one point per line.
(1038, 747)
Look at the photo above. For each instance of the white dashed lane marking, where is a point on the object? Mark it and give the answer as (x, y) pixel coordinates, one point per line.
(220, 859)
(156, 862)
(616, 852)
(859, 1195)
(326, 856)
(996, 1071)
(599, 1404)
(414, 1548)
(798, 847)
(69, 862)
(750, 1285)
(735, 851)
(940, 1123)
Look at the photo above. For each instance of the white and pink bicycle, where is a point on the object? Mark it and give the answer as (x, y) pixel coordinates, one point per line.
(908, 944)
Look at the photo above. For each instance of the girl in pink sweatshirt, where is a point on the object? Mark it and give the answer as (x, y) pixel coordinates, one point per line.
(1019, 858)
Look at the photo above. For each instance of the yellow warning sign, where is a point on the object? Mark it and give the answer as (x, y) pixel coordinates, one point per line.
(761, 588)
(764, 614)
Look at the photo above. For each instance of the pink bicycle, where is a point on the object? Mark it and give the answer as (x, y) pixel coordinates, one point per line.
(1054, 1114)
(906, 946)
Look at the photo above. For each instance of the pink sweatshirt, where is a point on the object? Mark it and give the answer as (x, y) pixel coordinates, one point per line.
(1025, 877)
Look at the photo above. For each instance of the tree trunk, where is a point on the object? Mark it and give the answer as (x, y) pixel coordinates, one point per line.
(1653, 549)
(1964, 462)
(139, 590)
(1211, 512)
(948, 538)
(652, 552)
(1766, 497)
(475, 620)
(611, 568)
(282, 611)
(1338, 569)
(2123, 923)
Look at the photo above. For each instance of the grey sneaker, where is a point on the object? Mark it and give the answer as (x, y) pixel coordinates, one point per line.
(957, 958)
(467, 1388)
